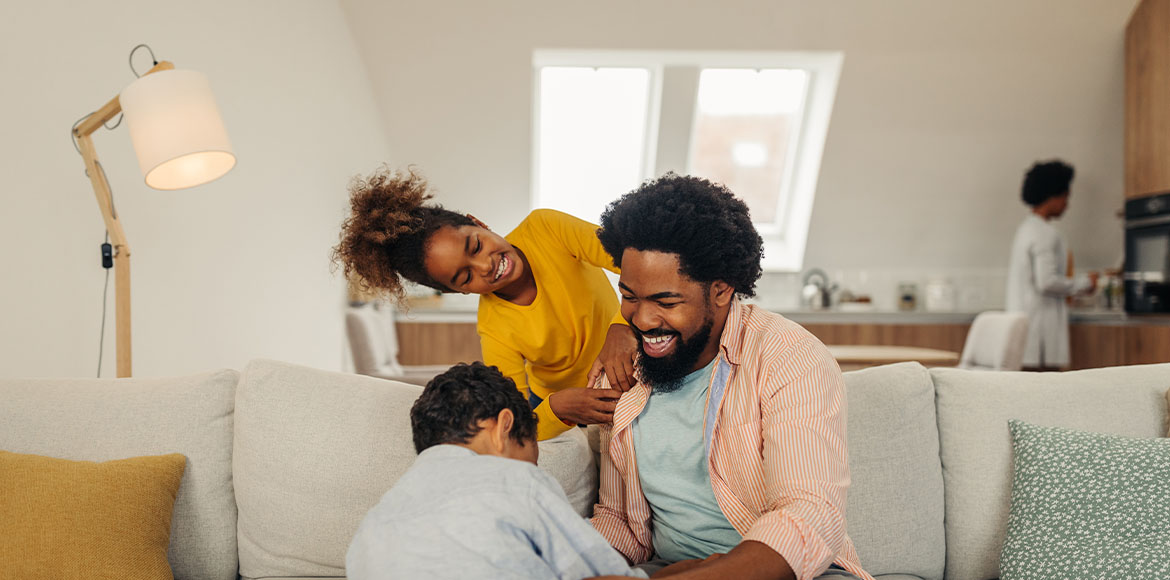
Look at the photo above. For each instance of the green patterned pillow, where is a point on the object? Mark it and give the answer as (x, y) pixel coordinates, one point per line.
(1087, 506)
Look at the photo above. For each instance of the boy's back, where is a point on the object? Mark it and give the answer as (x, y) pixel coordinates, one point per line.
(458, 514)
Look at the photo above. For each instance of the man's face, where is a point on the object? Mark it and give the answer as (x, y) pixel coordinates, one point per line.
(672, 315)
(1060, 204)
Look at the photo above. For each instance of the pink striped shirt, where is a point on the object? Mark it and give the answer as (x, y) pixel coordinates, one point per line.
(777, 459)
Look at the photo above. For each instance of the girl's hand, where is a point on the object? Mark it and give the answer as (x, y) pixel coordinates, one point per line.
(584, 406)
(616, 359)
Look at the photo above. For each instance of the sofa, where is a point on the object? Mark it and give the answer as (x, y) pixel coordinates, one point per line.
(283, 461)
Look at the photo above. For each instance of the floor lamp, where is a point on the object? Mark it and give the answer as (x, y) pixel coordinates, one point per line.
(180, 142)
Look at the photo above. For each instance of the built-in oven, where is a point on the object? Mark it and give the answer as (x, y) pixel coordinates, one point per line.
(1147, 254)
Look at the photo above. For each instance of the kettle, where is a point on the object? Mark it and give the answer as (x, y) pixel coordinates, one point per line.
(817, 292)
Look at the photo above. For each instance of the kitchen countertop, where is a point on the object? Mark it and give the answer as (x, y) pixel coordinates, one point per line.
(466, 314)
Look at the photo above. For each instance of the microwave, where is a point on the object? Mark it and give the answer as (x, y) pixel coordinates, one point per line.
(1147, 254)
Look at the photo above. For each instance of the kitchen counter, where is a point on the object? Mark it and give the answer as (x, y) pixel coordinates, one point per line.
(465, 314)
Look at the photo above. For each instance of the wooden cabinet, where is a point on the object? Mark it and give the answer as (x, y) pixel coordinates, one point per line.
(1093, 345)
(1096, 345)
(1147, 94)
(437, 343)
(938, 336)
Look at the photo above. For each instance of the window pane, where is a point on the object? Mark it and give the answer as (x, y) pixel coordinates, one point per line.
(745, 124)
(592, 136)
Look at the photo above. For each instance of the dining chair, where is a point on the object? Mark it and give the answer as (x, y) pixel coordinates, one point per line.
(995, 342)
(373, 341)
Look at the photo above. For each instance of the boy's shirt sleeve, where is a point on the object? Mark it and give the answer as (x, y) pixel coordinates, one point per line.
(568, 544)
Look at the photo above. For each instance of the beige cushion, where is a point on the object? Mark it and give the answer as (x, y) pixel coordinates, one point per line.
(105, 419)
(895, 503)
(569, 460)
(314, 451)
(975, 444)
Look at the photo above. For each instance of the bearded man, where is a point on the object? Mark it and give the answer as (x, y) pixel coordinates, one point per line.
(727, 459)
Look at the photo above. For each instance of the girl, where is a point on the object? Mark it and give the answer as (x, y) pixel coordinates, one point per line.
(548, 316)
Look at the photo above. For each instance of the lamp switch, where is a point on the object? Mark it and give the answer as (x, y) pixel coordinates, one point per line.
(107, 256)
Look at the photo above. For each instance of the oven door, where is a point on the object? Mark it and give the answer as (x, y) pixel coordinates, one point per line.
(1147, 265)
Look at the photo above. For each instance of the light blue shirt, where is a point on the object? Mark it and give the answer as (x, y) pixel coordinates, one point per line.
(672, 465)
(458, 514)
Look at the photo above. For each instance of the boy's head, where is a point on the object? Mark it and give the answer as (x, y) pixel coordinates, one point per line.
(475, 406)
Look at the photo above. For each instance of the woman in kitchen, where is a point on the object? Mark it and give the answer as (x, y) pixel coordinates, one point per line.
(1038, 283)
(548, 316)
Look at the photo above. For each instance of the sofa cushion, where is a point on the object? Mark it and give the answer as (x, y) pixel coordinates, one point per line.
(104, 419)
(1087, 505)
(125, 508)
(895, 501)
(974, 408)
(315, 450)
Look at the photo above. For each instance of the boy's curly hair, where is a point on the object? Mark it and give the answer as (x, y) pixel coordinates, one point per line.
(453, 403)
(385, 237)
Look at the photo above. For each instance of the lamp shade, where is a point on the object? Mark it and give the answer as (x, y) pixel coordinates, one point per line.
(176, 129)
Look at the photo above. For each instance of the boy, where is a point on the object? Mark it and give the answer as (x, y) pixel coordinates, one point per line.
(474, 504)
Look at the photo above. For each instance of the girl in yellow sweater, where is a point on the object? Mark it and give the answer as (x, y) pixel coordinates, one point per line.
(548, 316)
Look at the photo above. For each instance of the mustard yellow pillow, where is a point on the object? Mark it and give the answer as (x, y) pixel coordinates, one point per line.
(79, 519)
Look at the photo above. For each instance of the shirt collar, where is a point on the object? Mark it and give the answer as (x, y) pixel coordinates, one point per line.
(731, 341)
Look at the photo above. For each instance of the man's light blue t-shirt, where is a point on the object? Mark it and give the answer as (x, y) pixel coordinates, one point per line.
(458, 514)
(672, 466)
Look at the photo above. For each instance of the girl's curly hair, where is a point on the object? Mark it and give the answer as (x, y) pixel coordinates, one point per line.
(385, 237)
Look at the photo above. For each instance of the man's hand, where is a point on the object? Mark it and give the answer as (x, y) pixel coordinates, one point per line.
(616, 359)
(683, 566)
(584, 406)
(750, 560)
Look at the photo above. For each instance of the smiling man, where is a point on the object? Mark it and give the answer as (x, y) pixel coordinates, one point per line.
(728, 459)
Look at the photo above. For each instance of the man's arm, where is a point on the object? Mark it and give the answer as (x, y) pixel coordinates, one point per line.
(806, 469)
(750, 560)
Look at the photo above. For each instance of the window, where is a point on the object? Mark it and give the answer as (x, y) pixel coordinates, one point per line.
(605, 121)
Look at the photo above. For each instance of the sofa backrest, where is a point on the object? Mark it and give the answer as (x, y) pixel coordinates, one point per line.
(104, 419)
(973, 410)
(895, 502)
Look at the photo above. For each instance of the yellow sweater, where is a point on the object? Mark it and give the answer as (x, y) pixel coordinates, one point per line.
(551, 344)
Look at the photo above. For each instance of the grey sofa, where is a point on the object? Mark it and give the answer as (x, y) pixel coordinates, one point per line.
(283, 461)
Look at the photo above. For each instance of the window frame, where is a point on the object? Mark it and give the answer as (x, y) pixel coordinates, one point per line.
(784, 241)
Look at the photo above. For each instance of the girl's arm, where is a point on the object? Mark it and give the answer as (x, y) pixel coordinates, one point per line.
(511, 365)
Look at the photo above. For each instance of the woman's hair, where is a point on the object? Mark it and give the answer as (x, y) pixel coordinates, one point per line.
(385, 237)
(1045, 181)
(453, 403)
(702, 222)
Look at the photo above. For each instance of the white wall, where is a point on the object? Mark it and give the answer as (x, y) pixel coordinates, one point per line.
(222, 273)
(942, 106)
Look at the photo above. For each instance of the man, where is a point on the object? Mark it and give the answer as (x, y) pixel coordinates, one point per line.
(727, 459)
(1038, 282)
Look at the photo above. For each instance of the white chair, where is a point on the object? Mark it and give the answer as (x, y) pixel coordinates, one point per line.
(373, 341)
(996, 342)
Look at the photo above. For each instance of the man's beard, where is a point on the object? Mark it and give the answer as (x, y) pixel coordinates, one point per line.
(665, 374)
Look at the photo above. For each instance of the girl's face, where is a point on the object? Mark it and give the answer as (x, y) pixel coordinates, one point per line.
(472, 259)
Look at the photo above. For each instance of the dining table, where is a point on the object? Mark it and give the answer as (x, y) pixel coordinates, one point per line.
(858, 356)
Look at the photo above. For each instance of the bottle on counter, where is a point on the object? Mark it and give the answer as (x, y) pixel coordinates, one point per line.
(907, 296)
